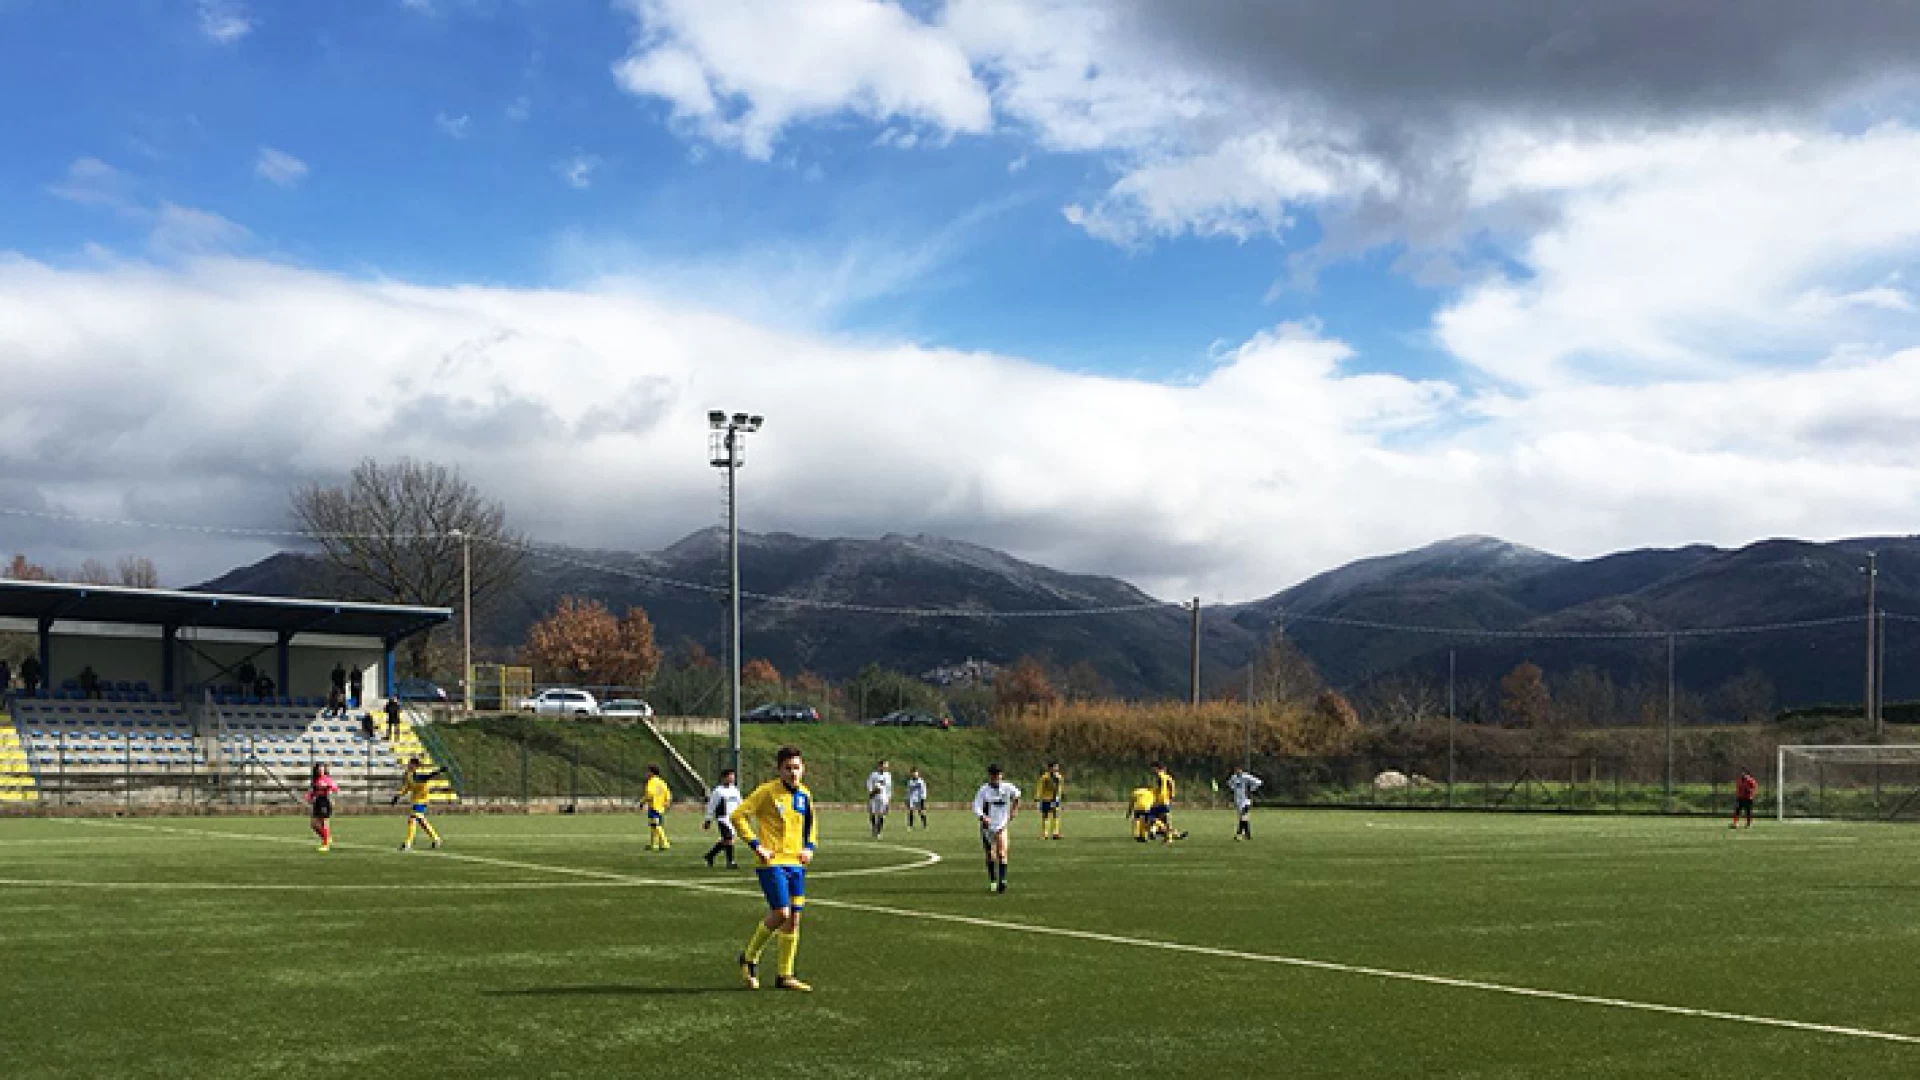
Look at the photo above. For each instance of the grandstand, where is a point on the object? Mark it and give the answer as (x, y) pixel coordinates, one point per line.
(149, 703)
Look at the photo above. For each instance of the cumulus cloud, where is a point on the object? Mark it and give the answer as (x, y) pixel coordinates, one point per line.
(577, 171)
(453, 127)
(224, 21)
(739, 73)
(225, 381)
(279, 167)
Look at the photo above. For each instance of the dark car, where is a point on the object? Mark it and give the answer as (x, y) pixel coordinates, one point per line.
(781, 713)
(910, 718)
(418, 690)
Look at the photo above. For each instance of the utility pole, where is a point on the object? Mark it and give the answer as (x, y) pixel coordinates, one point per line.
(1873, 578)
(1450, 728)
(1193, 657)
(466, 622)
(1670, 650)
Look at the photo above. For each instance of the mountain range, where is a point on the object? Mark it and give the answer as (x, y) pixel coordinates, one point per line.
(1482, 602)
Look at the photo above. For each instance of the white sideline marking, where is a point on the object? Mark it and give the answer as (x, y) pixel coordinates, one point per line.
(221, 886)
(1388, 974)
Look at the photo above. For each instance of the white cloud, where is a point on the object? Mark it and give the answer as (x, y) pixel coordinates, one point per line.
(225, 21)
(739, 73)
(577, 407)
(186, 231)
(279, 167)
(577, 171)
(519, 109)
(454, 127)
(92, 182)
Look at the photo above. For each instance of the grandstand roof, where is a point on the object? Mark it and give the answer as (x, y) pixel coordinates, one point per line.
(225, 611)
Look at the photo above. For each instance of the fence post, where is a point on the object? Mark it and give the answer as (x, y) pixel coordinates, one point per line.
(573, 779)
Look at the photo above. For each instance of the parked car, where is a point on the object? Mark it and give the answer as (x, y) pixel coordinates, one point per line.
(418, 690)
(781, 713)
(629, 708)
(561, 702)
(910, 718)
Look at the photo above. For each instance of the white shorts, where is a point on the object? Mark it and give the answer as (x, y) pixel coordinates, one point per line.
(877, 805)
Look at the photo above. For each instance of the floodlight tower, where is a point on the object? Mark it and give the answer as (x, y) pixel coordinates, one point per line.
(727, 449)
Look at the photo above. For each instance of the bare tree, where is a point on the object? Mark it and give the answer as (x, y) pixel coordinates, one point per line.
(1282, 674)
(387, 534)
(1404, 699)
(138, 572)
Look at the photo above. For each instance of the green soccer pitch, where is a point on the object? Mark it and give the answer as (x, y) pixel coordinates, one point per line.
(1335, 944)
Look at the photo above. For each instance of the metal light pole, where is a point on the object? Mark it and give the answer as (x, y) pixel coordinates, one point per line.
(727, 449)
(466, 620)
(1450, 755)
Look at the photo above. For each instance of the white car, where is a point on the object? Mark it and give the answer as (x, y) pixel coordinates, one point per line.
(559, 702)
(627, 708)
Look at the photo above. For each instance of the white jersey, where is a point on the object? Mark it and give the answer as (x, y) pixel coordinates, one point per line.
(1243, 785)
(722, 801)
(916, 791)
(878, 790)
(995, 803)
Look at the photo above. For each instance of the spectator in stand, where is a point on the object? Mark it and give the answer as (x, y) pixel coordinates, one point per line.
(89, 682)
(356, 682)
(336, 703)
(6, 678)
(30, 673)
(393, 717)
(247, 676)
(366, 725)
(340, 680)
(263, 687)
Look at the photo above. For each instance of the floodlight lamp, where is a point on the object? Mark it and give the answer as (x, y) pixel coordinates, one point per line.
(717, 419)
(740, 419)
(753, 423)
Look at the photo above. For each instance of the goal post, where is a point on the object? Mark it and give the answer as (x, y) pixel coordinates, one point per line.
(1868, 782)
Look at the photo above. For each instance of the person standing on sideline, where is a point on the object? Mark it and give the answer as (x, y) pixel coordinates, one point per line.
(995, 804)
(879, 796)
(916, 797)
(722, 801)
(1052, 791)
(1243, 784)
(778, 823)
(1744, 789)
(657, 797)
(321, 788)
(414, 786)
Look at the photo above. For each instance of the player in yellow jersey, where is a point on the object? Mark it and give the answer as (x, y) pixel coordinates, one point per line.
(1051, 791)
(1162, 784)
(1140, 808)
(658, 797)
(414, 786)
(777, 821)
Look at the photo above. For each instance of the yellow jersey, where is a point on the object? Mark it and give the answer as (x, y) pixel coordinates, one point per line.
(1163, 788)
(779, 820)
(658, 795)
(1142, 800)
(414, 785)
(1051, 787)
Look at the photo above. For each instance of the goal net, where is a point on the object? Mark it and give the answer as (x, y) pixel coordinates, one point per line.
(1860, 782)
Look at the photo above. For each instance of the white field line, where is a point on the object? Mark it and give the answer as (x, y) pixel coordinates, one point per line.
(1387, 974)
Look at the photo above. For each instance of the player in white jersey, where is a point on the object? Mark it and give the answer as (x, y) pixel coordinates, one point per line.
(1243, 784)
(879, 796)
(722, 801)
(916, 797)
(995, 804)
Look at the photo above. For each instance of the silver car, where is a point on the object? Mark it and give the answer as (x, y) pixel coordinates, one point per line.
(561, 702)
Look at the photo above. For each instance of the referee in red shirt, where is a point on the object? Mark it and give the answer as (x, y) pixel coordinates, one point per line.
(1744, 789)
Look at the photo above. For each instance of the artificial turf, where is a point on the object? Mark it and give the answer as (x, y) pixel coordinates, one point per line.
(555, 946)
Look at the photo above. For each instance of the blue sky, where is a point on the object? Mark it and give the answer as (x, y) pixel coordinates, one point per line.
(435, 143)
(1208, 296)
